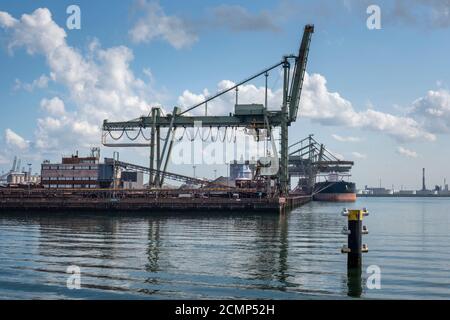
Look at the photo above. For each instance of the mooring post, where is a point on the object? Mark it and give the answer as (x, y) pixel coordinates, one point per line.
(354, 249)
(355, 230)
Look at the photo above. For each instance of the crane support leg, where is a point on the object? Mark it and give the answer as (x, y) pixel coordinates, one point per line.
(168, 155)
(152, 149)
(167, 148)
(284, 174)
(158, 155)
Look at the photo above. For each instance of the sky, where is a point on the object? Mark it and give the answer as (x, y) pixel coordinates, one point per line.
(380, 97)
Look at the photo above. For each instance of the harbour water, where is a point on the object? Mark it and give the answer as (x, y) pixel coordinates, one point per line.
(211, 256)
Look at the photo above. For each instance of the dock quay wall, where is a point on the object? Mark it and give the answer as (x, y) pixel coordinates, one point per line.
(81, 200)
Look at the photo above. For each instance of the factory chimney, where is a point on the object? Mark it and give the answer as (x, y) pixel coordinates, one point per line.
(423, 180)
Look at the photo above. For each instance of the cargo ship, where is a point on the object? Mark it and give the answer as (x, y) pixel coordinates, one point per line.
(335, 189)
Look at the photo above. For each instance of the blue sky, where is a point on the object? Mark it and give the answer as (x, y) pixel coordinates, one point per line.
(387, 88)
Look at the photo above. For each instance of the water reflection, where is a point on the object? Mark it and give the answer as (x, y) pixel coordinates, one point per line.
(87, 237)
(268, 260)
(283, 255)
(227, 256)
(154, 245)
(182, 255)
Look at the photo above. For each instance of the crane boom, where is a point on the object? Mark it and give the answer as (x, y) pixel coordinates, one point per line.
(299, 72)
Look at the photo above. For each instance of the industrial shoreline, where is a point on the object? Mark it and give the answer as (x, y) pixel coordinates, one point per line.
(403, 195)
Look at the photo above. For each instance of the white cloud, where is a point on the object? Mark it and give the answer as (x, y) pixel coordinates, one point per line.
(359, 155)
(318, 104)
(6, 20)
(345, 139)
(100, 83)
(188, 98)
(14, 140)
(157, 25)
(224, 104)
(434, 110)
(54, 106)
(37, 32)
(329, 108)
(407, 153)
(40, 83)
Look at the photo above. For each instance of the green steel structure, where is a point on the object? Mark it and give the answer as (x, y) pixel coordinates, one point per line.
(309, 159)
(252, 116)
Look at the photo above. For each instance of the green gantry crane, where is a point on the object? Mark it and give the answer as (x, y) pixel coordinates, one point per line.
(253, 116)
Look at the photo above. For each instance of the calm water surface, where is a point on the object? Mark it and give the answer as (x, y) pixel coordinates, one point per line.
(228, 256)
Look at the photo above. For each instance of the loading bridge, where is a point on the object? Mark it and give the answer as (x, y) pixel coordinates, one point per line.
(309, 159)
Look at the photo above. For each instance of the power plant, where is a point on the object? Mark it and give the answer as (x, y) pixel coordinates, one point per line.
(438, 191)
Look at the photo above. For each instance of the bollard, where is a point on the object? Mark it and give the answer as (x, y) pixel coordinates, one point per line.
(355, 230)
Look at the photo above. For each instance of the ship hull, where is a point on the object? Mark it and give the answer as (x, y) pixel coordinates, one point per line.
(335, 197)
(341, 191)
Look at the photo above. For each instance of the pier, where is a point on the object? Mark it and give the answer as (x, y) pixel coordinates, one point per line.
(145, 201)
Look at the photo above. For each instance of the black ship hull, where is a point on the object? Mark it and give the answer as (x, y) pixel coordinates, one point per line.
(335, 191)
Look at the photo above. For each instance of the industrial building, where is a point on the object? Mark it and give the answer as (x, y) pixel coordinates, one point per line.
(15, 178)
(18, 176)
(445, 191)
(72, 172)
(405, 192)
(132, 179)
(377, 191)
(77, 172)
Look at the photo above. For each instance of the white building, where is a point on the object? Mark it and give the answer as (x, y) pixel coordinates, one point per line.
(15, 178)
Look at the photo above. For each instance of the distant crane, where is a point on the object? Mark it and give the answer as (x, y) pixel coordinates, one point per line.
(14, 164)
(29, 171)
(15, 167)
(19, 162)
(309, 159)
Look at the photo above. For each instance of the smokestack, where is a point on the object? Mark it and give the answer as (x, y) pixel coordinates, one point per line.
(423, 180)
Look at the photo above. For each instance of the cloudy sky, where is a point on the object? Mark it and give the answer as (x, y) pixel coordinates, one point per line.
(379, 97)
